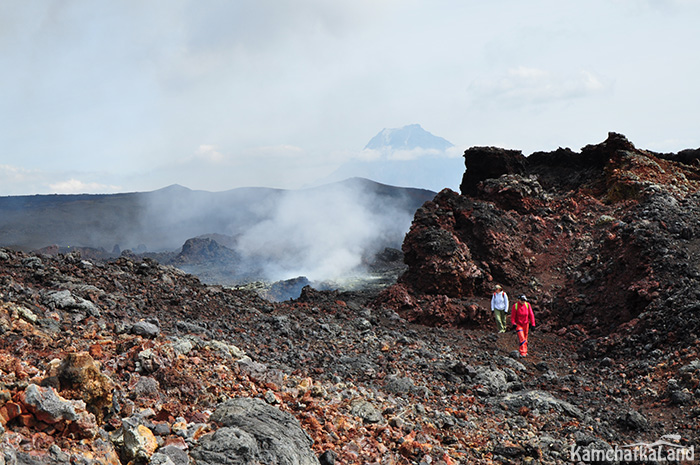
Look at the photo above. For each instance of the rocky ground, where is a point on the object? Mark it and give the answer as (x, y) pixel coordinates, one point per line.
(141, 355)
(130, 361)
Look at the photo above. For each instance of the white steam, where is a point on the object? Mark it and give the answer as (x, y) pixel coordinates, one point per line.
(326, 233)
(323, 235)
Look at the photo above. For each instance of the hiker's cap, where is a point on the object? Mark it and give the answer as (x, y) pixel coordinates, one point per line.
(523, 298)
(498, 286)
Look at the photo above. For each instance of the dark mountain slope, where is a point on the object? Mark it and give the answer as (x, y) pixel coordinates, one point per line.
(166, 218)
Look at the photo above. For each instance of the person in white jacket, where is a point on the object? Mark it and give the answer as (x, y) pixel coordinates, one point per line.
(499, 307)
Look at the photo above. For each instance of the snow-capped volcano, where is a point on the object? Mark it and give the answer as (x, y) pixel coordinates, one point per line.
(408, 156)
(408, 137)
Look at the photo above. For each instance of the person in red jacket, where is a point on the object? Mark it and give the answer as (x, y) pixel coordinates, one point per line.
(522, 317)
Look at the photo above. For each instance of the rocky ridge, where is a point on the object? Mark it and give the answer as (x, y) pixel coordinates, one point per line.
(605, 241)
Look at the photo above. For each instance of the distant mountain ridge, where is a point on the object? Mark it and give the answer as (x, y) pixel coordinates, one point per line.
(160, 219)
(322, 232)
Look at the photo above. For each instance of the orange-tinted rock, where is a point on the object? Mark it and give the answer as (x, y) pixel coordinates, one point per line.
(79, 372)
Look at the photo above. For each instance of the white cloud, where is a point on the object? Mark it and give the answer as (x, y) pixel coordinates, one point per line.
(214, 155)
(525, 85)
(10, 174)
(276, 151)
(526, 73)
(413, 154)
(209, 153)
(16, 180)
(75, 186)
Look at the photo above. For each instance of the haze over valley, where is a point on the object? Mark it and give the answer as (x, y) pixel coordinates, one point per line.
(325, 233)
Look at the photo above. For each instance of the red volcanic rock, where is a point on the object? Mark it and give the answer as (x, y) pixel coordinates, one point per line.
(49, 408)
(9, 412)
(589, 237)
(434, 310)
(458, 245)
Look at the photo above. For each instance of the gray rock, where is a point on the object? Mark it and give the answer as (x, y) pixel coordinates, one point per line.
(511, 375)
(464, 369)
(254, 432)
(176, 456)
(146, 387)
(228, 350)
(589, 445)
(691, 367)
(681, 397)
(13, 457)
(511, 363)
(359, 365)
(540, 400)
(60, 299)
(49, 325)
(492, 380)
(542, 366)
(444, 420)
(135, 443)
(229, 446)
(49, 404)
(259, 371)
(399, 385)
(161, 429)
(26, 314)
(327, 458)
(32, 262)
(270, 398)
(145, 329)
(187, 327)
(368, 412)
(160, 459)
(66, 301)
(634, 421)
(183, 346)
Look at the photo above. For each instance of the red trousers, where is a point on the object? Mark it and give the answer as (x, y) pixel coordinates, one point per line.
(522, 338)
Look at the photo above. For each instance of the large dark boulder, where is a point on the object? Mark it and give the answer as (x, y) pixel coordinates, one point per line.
(203, 249)
(253, 432)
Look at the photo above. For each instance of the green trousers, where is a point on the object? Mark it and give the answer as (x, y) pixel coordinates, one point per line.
(500, 320)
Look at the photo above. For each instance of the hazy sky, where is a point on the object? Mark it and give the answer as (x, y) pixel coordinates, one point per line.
(133, 95)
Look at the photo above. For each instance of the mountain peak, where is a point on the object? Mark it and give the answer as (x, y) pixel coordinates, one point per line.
(409, 137)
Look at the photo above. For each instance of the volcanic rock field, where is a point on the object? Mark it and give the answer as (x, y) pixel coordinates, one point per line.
(128, 361)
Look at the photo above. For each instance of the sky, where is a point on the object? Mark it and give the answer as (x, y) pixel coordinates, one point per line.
(103, 96)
